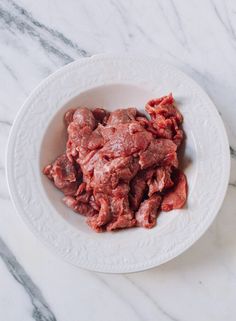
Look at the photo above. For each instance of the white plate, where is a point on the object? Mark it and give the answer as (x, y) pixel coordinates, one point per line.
(38, 136)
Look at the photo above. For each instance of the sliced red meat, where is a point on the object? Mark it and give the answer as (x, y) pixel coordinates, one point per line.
(170, 160)
(164, 107)
(81, 189)
(127, 139)
(147, 124)
(176, 198)
(166, 118)
(88, 162)
(106, 131)
(147, 214)
(138, 186)
(153, 186)
(84, 117)
(84, 198)
(95, 205)
(81, 208)
(71, 151)
(156, 152)
(64, 175)
(103, 217)
(95, 140)
(123, 216)
(122, 116)
(48, 171)
(178, 137)
(143, 121)
(121, 190)
(123, 221)
(78, 140)
(162, 127)
(69, 116)
(83, 143)
(163, 177)
(160, 181)
(108, 173)
(119, 165)
(101, 115)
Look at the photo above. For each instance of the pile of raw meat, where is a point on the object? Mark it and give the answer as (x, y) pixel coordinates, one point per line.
(120, 169)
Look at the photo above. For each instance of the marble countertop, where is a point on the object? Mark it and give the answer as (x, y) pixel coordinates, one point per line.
(37, 37)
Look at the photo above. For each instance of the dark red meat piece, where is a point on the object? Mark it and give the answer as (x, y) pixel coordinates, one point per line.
(101, 115)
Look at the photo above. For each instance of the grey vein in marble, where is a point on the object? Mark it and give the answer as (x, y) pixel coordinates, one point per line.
(11, 72)
(175, 23)
(119, 296)
(226, 24)
(232, 152)
(182, 38)
(41, 310)
(9, 69)
(154, 302)
(122, 14)
(5, 123)
(4, 194)
(18, 19)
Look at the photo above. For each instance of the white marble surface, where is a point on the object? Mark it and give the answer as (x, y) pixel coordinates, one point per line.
(37, 37)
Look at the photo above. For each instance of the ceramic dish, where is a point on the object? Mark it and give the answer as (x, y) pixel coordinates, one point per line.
(38, 136)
